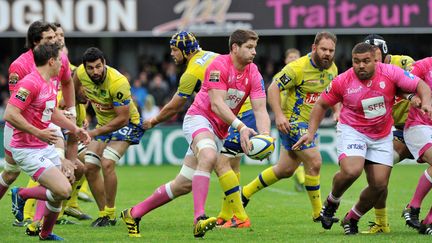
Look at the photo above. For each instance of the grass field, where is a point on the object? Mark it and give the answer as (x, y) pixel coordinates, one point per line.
(278, 213)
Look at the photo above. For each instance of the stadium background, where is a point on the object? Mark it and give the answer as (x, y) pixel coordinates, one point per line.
(134, 36)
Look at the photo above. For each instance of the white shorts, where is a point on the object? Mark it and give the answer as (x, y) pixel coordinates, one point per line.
(7, 138)
(350, 142)
(418, 139)
(195, 124)
(34, 162)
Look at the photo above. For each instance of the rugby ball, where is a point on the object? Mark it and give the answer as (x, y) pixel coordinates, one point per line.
(262, 146)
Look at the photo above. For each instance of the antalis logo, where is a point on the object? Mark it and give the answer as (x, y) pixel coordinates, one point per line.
(205, 16)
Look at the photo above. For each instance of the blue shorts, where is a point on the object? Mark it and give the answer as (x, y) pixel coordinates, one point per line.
(131, 133)
(295, 133)
(398, 136)
(232, 144)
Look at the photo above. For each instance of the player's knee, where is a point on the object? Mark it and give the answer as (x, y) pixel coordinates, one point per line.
(182, 188)
(91, 171)
(9, 177)
(63, 192)
(108, 166)
(351, 174)
(208, 148)
(79, 171)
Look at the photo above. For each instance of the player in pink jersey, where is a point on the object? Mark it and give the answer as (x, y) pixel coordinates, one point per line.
(31, 109)
(229, 81)
(364, 137)
(418, 133)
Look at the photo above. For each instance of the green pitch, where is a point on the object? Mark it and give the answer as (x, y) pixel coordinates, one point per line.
(278, 213)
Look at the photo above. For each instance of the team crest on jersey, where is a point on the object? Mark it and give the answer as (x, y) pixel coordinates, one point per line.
(284, 79)
(382, 85)
(22, 94)
(409, 75)
(214, 76)
(330, 76)
(13, 78)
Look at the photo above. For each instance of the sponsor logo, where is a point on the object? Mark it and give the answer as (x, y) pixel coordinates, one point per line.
(382, 84)
(356, 146)
(284, 79)
(311, 98)
(354, 90)
(13, 78)
(22, 94)
(234, 97)
(374, 107)
(214, 76)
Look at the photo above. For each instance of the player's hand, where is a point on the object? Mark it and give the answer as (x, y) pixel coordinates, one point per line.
(282, 124)
(68, 169)
(48, 135)
(415, 101)
(305, 139)
(426, 109)
(245, 134)
(147, 124)
(83, 135)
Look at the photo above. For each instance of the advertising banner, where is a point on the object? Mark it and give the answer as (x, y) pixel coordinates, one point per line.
(146, 18)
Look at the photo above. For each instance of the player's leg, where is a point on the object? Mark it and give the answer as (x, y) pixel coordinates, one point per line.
(312, 163)
(93, 165)
(230, 185)
(8, 175)
(417, 139)
(285, 167)
(165, 193)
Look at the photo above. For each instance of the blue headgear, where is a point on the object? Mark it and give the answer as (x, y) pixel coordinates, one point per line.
(186, 42)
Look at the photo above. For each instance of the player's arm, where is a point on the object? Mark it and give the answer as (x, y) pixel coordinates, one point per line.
(274, 100)
(259, 107)
(121, 119)
(316, 116)
(173, 107)
(62, 121)
(424, 93)
(15, 118)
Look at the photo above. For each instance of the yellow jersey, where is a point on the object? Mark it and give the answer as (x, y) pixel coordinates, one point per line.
(401, 106)
(303, 83)
(113, 91)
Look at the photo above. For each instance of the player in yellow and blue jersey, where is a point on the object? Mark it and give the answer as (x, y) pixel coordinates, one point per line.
(400, 114)
(304, 80)
(186, 50)
(118, 126)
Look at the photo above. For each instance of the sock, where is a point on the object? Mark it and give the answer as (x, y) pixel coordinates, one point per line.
(354, 214)
(3, 186)
(30, 205)
(50, 218)
(332, 199)
(110, 212)
(231, 188)
(102, 214)
(37, 192)
(200, 186)
(423, 187)
(39, 210)
(300, 174)
(160, 196)
(381, 217)
(312, 185)
(428, 219)
(265, 179)
(73, 201)
(85, 187)
(226, 212)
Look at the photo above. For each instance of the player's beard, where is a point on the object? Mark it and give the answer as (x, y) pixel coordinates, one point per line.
(323, 63)
(100, 79)
(364, 75)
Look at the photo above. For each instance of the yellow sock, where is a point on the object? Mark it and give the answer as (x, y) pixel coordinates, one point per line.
(30, 205)
(231, 188)
(312, 184)
(265, 179)
(110, 212)
(85, 187)
(300, 174)
(226, 212)
(381, 216)
(73, 201)
(102, 214)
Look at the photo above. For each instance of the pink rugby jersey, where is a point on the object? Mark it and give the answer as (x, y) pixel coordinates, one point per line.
(36, 98)
(367, 105)
(222, 75)
(422, 69)
(22, 66)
